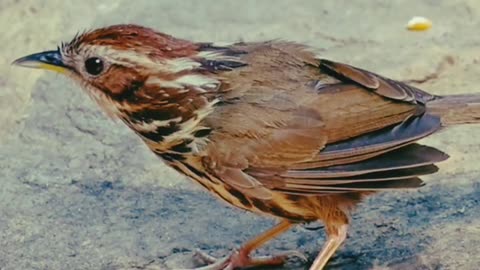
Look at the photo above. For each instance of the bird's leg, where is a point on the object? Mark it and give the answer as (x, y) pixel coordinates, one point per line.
(336, 234)
(241, 258)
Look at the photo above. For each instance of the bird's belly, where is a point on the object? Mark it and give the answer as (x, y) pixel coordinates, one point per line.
(294, 207)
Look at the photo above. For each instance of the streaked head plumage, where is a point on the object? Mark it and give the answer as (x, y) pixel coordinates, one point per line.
(159, 85)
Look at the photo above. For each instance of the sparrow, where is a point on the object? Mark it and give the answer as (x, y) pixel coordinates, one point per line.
(267, 127)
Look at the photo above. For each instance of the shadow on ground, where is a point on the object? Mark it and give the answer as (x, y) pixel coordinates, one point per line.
(119, 227)
(81, 192)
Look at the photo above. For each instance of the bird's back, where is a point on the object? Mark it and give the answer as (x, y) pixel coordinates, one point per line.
(288, 126)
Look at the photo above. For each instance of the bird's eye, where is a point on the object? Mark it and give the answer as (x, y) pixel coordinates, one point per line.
(94, 65)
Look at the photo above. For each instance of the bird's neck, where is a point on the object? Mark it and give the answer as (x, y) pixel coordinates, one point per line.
(168, 115)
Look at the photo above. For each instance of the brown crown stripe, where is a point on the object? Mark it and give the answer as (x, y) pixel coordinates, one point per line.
(125, 37)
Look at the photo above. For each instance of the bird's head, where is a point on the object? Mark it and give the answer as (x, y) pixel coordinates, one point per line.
(160, 86)
(127, 65)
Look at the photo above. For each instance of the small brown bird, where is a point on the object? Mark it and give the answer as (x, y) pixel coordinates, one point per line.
(266, 127)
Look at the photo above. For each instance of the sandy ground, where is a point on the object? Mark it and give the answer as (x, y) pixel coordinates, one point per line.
(79, 191)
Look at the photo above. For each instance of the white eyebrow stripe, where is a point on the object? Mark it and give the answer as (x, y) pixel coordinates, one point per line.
(131, 58)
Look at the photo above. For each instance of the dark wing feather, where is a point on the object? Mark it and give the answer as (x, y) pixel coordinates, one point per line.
(383, 86)
(349, 117)
(374, 143)
(406, 183)
(368, 177)
(378, 160)
(396, 169)
(410, 156)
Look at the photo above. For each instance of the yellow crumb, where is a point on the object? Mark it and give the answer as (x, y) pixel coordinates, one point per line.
(419, 24)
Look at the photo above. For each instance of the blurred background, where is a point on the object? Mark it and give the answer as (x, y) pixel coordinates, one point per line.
(79, 191)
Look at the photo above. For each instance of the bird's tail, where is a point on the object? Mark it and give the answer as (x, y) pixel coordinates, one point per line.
(456, 109)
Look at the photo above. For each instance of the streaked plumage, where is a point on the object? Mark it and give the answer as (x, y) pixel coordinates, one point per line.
(267, 127)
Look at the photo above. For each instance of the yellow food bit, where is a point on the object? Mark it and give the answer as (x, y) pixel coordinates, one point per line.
(419, 24)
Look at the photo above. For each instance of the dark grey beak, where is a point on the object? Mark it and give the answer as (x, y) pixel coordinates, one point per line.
(50, 60)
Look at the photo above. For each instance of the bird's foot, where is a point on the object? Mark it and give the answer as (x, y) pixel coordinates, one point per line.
(240, 260)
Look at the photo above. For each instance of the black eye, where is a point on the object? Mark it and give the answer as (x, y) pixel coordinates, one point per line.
(94, 65)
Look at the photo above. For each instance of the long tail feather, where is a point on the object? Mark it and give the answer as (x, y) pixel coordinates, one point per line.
(456, 109)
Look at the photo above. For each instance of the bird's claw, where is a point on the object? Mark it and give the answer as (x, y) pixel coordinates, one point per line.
(204, 257)
(239, 260)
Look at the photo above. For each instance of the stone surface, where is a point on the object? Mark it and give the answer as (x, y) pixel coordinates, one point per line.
(79, 191)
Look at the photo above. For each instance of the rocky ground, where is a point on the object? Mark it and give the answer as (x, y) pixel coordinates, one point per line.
(78, 191)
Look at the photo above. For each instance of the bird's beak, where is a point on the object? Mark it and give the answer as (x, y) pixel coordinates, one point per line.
(49, 60)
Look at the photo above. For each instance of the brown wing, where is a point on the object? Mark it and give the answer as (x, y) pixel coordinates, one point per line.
(287, 123)
(383, 86)
(396, 169)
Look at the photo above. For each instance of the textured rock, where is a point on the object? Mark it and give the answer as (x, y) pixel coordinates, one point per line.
(79, 191)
